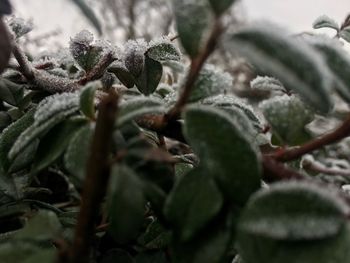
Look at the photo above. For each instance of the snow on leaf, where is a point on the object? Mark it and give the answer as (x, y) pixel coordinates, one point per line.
(325, 21)
(19, 26)
(163, 49)
(50, 112)
(292, 61)
(345, 34)
(266, 84)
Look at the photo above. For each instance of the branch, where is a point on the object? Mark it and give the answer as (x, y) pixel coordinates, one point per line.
(276, 171)
(196, 66)
(98, 70)
(333, 137)
(97, 177)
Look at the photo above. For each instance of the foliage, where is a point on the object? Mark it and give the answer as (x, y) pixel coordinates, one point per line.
(129, 154)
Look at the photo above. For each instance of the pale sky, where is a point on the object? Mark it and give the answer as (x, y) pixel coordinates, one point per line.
(296, 15)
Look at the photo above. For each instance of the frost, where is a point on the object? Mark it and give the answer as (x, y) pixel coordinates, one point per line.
(52, 105)
(51, 111)
(134, 56)
(229, 101)
(19, 26)
(210, 82)
(325, 21)
(287, 117)
(163, 49)
(266, 84)
(84, 37)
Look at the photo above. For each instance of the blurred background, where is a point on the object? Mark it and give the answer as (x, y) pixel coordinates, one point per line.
(55, 21)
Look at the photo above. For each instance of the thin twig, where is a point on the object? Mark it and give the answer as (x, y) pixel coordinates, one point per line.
(341, 132)
(97, 177)
(195, 68)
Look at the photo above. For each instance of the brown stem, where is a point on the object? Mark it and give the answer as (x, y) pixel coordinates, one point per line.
(195, 68)
(98, 70)
(276, 171)
(97, 177)
(24, 65)
(333, 137)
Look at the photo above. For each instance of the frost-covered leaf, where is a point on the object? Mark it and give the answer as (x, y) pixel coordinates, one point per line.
(5, 46)
(20, 27)
(86, 52)
(87, 99)
(126, 204)
(210, 82)
(294, 211)
(345, 34)
(192, 203)
(50, 111)
(134, 56)
(10, 135)
(338, 61)
(89, 13)
(192, 19)
(44, 226)
(150, 76)
(122, 73)
(220, 6)
(213, 135)
(295, 222)
(10, 92)
(325, 21)
(76, 156)
(231, 104)
(55, 142)
(134, 108)
(25, 158)
(266, 84)
(292, 61)
(288, 117)
(163, 50)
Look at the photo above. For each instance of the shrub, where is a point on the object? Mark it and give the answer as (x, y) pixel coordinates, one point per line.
(112, 154)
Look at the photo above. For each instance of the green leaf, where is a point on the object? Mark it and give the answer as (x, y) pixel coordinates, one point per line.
(292, 61)
(10, 92)
(138, 107)
(25, 158)
(122, 73)
(150, 76)
(295, 222)
(44, 226)
(126, 204)
(193, 202)
(163, 50)
(325, 21)
(155, 237)
(345, 34)
(76, 156)
(192, 19)
(55, 142)
(288, 116)
(10, 135)
(116, 255)
(26, 253)
(210, 82)
(213, 135)
(87, 99)
(210, 246)
(338, 61)
(220, 6)
(89, 13)
(50, 111)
